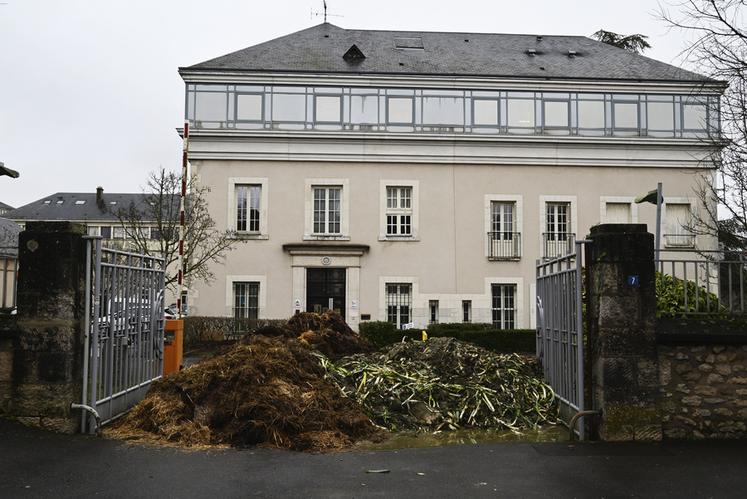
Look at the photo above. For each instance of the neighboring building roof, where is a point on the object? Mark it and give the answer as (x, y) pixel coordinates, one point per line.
(9, 231)
(320, 49)
(81, 206)
(4, 206)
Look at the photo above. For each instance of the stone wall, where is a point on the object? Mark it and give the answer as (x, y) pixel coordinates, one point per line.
(703, 388)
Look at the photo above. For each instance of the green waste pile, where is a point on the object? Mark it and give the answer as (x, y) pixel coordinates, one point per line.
(445, 384)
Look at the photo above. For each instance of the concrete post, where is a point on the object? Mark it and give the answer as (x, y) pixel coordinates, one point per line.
(48, 344)
(622, 335)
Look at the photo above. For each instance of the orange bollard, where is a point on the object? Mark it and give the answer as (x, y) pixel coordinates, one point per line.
(173, 346)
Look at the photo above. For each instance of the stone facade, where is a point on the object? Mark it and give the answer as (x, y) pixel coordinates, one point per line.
(703, 390)
(622, 332)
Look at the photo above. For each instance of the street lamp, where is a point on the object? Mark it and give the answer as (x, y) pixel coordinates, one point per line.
(654, 197)
(7, 171)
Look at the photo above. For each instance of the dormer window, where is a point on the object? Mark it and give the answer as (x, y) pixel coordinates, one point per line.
(354, 55)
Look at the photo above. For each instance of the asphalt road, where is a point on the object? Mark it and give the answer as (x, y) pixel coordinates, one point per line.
(34, 463)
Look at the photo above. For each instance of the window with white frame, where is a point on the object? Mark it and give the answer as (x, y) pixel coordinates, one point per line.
(466, 310)
(118, 232)
(617, 213)
(504, 305)
(502, 220)
(399, 211)
(327, 209)
(106, 231)
(246, 300)
(433, 311)
(399, 304)
(557, 220)
(247, 207)
(679, 225)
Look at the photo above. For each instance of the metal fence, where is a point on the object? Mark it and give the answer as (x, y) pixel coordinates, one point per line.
(705, 283)
(556, 244)
(504, 245)
(124, 333)
(8, 282)
(560, 328)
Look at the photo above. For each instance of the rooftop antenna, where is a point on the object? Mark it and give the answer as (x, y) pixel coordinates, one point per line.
(324, 13)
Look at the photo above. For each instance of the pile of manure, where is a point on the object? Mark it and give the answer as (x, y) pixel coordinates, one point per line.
(268, 391)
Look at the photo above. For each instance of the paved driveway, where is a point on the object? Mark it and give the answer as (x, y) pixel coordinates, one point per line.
(39, 464)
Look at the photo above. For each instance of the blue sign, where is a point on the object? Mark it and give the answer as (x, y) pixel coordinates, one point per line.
(633, 280)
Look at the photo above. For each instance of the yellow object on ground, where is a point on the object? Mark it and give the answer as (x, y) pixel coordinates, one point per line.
(425, 335)
(173, 346)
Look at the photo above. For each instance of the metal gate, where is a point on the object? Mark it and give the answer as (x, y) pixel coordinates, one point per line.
(124, 332)
(560, 328)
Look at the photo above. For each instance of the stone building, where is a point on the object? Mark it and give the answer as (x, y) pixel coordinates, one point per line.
(416, 177)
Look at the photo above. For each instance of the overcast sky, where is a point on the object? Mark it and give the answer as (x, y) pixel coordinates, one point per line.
(89, 90)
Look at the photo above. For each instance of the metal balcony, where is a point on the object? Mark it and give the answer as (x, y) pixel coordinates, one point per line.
(555, 244)
(504, 245)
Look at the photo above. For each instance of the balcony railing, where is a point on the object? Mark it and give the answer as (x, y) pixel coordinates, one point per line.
(504, 245)
(679, 240)
(555, 244)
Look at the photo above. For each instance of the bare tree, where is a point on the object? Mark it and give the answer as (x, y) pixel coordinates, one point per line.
(635, 43)
(152, 227)
(719, 50)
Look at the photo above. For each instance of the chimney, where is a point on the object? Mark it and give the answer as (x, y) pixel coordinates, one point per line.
(100, 197)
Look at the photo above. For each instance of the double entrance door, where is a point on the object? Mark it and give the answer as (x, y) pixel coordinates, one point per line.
(325, 290)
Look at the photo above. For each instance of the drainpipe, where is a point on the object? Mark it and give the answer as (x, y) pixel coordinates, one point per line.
(92, 411)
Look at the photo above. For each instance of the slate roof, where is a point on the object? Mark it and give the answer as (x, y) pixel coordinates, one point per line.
(319, 49)
(69, 210)
(4, 206)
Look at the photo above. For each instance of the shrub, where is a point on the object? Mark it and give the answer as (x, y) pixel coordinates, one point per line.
(205, 329)
(382, 333)
(670, 297)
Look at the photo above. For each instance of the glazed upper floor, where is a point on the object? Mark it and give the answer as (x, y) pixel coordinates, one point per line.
(446, 110)
(330, 79)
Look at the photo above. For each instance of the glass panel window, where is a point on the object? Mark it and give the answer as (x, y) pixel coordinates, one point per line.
(625, 115)
(502, 220)
(694, 116)
(466, 310)
(288, 107)
(247, 207)
(558, 224)
(485, 112)
(93, 230)
(327, 109)
(556, 113)
(246, 300)
(504, 305)
(591, 114)
(106, 232)
(660, 116)
(364, 109)
(520, 113)
(433, 312)
(399, 211)
(249, 107)
(211, 106)
(399, 304)
(399, 110)
(443, 110)
(327, 206)
(118, 232)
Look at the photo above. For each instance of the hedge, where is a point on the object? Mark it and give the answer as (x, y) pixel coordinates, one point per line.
(485, 335)
(206, 329)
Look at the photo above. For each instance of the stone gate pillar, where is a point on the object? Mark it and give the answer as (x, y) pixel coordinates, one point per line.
(622, 332)
(47, 360)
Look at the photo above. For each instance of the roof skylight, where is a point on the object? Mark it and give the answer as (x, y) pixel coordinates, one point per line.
(411, 43)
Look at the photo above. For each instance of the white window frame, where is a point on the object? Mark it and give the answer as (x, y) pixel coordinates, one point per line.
(398, 323)
(502, 308)
(261, 301)
(413, 211)
(263, 207)
(664, 220)
(519, 305)
(518, 201)
(547, 198)
(344, 184)
(604, 200)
